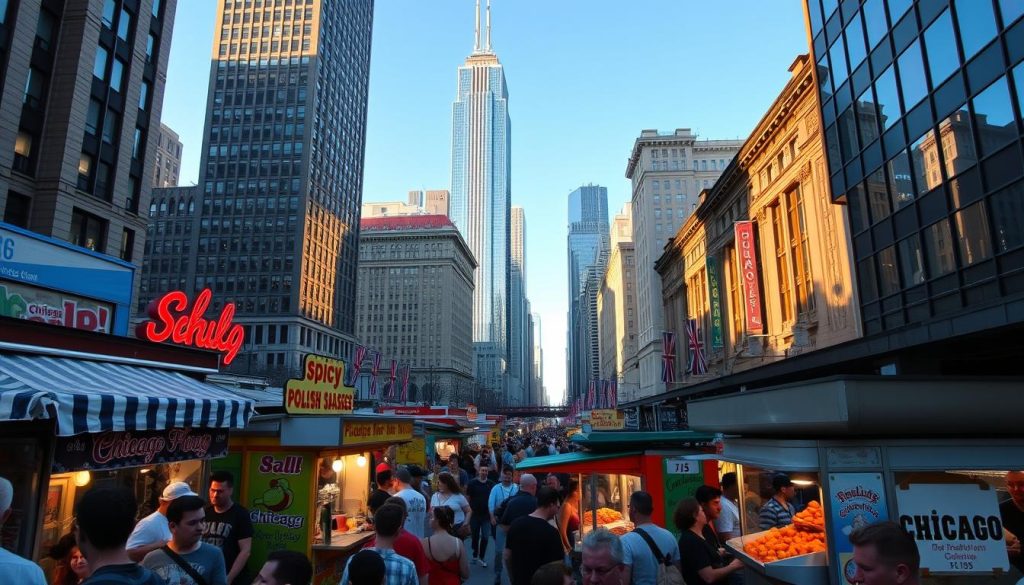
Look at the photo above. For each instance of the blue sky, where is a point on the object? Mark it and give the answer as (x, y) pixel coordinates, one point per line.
(584, 77)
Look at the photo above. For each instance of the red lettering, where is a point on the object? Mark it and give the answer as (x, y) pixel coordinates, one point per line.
(192, 329)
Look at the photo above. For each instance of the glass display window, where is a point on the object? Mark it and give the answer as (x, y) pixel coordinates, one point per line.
(606, 495)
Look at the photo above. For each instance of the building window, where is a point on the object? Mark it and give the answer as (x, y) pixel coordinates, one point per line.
(87, 230)
(84, 171)
(736, 307)
(23, 152)
(117, 74)
(110, 127)
(104, 180)
(124, 24)
(17, 209)
(127, 244)
(800, 252)
(44, 29)
(143, 94)
(92, 117)
(109, 9)
(150, 47)
(782, 264)
(34, 89)
(99, 67)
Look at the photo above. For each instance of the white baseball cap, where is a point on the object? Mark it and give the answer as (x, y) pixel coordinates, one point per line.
(176, 490)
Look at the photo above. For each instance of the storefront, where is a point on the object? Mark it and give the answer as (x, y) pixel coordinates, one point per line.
(928, 454)
(616, 463)
(305, 475)
(83, 409)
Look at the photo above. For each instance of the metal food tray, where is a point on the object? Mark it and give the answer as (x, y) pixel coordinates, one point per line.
(808, 569)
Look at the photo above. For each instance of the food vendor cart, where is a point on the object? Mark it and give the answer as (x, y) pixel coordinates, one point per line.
(304, 475)
(614, 464)
(873, 449)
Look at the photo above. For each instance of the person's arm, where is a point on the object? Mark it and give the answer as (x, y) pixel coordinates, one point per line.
(244, 550)
(467, 510)
(709, 575)
(564, 514)
(138, 553)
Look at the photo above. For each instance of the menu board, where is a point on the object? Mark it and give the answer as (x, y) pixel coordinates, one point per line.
(682, 478)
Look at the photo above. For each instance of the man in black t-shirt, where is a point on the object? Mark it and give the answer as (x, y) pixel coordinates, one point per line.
(478, 493)
(382, 493)
(228, 527)
(1012, 512)
(532, 541)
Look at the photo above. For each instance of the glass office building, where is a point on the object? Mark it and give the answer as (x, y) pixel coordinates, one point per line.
(921, 105)
(588, 248)
(276, 228)
(481, 198)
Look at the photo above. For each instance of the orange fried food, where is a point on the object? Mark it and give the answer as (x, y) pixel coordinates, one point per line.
(604, 516)
(619, 530)
(811, 518)
(782, 543)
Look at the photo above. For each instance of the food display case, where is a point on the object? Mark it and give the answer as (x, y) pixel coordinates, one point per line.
(604, 501)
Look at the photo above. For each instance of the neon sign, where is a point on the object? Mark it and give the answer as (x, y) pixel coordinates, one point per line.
(173, 321)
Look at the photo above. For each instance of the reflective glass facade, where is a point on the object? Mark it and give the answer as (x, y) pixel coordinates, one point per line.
(588, 246)
(480, 194)
(921, 105)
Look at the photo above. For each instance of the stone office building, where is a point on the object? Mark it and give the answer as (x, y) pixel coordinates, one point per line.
(415, 303)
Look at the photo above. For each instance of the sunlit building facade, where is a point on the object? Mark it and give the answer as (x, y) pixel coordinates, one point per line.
(587, 246)
(276, 229)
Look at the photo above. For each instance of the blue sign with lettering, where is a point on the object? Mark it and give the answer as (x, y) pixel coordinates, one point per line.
(53, 265)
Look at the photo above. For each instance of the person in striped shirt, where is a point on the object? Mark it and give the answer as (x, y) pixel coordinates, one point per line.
(778, 511)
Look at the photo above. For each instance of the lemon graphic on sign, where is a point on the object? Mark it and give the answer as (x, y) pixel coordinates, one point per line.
(278, 497)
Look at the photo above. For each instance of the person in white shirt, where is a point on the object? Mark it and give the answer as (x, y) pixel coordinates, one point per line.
(152, 532)
(449, 495)
(641, 564)
(416, 504)
(15, 569)
(728, 522)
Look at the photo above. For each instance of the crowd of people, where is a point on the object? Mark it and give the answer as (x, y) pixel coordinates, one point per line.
(431, 527)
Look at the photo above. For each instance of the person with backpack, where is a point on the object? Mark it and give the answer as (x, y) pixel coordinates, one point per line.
(650, 551)
(702, 563)
(104, 519)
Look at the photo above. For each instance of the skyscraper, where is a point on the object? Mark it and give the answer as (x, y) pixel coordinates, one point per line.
(519, 346)
(167, 167)
(668, 172)
(480, 198)
(276, 229)
(537, 391)
(588, 252)
(83, 86)
(616, 307)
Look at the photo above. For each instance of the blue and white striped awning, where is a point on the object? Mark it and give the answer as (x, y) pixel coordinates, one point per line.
(91, 396)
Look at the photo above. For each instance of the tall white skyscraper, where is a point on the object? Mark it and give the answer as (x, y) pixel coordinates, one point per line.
(480, 200)
(519, 342)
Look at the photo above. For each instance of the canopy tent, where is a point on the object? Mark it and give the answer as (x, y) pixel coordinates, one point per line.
(629, 463)
(86, 396)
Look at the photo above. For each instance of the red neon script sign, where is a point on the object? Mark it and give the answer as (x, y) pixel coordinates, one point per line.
(170, 321)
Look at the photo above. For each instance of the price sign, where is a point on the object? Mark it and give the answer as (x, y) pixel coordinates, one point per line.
(680, 466)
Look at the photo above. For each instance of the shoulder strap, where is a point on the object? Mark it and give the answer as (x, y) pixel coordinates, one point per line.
(654, 547)
(185, 566)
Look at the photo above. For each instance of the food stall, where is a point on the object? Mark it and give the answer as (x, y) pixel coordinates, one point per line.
(614, 464)
(305, 473)
(871, 449)
(80, 409)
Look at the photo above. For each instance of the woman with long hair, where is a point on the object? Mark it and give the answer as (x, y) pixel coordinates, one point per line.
(569, 515)
(71, 568)
(702, 564)
(449, 495)
(445, 553)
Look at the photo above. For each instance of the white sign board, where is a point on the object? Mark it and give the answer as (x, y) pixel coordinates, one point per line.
(957, 527)
(681, 466)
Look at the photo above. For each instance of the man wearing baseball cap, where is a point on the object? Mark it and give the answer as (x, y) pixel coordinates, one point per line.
(152, 532)
(779, 510)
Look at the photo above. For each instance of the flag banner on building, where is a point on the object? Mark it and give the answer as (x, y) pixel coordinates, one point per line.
(603, 401)
(352, 373)
(373, 374)
(698, 363)
(668, 357)
(590, 395)
(746, 259)
(391, 380)
(405, 384)
(714, 294)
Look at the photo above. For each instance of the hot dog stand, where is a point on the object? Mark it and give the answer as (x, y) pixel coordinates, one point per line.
(305, 472)
(614, 464)
(929, 454)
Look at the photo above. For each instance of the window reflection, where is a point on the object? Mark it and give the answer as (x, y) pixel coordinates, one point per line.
(1008, 217)
(1011, 11)
(993, 117)
(925, 154)
(868, 114)
(824, 79)
(1018, 76)
(973, 232)
(912, 80)
(942, 57)
(848, 134)
(855, 41)
(957, 142)
(912, 261)
(837, 56)
(856, 201)
(977, 25)
(888, 102)
(900, 185)
(878, 198)
(874, 21)
(888, 277)
(896, 9)
(938, 245)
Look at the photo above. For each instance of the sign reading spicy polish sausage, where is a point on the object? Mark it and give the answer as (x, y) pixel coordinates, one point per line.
(321, 390)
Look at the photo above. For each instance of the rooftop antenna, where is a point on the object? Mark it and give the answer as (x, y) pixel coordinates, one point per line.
(488, 49)
(476, 44)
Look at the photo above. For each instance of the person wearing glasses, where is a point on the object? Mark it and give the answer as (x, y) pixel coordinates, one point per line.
(602, 559)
